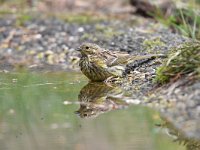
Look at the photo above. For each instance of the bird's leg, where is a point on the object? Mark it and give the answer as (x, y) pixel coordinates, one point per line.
(109, 79)
(113, 79)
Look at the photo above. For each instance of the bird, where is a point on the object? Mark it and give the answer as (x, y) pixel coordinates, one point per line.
(99, 64)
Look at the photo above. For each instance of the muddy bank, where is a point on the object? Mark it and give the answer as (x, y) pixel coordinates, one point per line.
(179, 97)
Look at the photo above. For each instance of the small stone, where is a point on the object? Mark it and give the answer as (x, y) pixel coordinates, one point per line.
(81, 29)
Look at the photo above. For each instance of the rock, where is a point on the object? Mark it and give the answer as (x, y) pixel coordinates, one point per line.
(152, 8)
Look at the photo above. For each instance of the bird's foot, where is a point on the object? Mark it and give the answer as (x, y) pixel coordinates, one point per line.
(113, 80)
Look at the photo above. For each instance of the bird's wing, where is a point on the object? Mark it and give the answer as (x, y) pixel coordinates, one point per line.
(97, 61)
(122, 59)
(116, 70)
(115, 58)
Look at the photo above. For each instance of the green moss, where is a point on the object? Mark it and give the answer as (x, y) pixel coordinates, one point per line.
(22, 18)
(151, 44)
(81, 18)
(5, 12)
(107, 31)
(180, 62)
(160, 77)
(86, 36)
(102, 31)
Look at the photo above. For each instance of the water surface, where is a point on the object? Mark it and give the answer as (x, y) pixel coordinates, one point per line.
(58, 111)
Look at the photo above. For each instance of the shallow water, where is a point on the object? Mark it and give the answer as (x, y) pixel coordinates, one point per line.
(44, 111)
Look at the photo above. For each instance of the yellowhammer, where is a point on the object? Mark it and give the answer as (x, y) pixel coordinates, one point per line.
(99, 64)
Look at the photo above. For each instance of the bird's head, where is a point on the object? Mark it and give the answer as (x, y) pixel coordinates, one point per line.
(89, 49)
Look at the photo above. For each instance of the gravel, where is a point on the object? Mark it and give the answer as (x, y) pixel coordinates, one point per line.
(52, 42)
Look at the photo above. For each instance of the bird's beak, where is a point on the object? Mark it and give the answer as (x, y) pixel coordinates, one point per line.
(78, 49)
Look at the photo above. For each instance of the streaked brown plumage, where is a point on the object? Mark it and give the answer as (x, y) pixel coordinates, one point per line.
(99, 64)
(97, 97)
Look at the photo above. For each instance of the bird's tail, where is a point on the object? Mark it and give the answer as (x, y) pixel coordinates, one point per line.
(135, 58)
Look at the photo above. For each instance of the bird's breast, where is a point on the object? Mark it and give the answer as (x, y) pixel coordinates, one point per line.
(92, 70)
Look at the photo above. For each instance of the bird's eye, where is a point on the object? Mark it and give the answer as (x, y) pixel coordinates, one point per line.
(87, 47)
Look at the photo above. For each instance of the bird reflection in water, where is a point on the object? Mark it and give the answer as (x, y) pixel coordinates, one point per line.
(97, 97)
